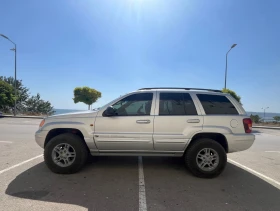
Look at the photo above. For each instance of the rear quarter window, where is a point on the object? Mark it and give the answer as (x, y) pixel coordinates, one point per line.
(217, 104)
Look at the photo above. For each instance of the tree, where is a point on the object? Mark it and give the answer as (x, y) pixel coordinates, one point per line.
(25, 104)
(7, 98)
(86, 95)
(233, 94)
(22, 91)
(255, 118)
(276, 118)
(36, 106)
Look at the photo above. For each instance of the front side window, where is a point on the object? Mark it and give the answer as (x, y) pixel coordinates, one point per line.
(134, 105)
(216, 104)
(176, 104)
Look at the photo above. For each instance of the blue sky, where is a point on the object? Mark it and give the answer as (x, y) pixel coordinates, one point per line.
(117, 46)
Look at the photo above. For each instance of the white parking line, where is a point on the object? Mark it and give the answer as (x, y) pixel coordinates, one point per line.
(254, 172)
(19, 164)
(273, 151)
(6, 142)
(142, 191)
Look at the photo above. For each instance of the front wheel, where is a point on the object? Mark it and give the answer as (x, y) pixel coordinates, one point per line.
(206, 158)
(65, 154)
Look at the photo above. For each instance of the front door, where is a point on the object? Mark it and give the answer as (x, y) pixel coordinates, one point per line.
(131, 128)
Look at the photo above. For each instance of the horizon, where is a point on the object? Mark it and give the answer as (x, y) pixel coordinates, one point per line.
(118, 46)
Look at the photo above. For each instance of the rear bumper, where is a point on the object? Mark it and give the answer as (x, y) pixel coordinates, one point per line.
(40, 137)
(239, 142)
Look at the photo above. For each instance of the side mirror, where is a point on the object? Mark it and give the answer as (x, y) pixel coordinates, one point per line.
(110, 111)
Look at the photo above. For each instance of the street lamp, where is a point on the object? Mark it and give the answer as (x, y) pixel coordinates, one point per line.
(264, 113)
(226, 64)
(15, 82)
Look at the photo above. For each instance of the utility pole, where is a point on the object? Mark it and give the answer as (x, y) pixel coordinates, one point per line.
(264, 113)
(15, 82)
(226, 64)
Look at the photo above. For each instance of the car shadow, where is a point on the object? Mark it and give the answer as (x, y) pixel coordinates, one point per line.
(105, 184)
(256, 132)
(111, 183)
(170, 187)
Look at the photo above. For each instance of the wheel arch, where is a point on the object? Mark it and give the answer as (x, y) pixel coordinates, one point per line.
(57, 131)
(218, 137)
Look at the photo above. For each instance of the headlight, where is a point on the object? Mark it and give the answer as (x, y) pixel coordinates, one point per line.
(42, 123)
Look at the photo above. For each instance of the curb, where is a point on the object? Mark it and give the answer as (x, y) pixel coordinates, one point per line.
(267, 127)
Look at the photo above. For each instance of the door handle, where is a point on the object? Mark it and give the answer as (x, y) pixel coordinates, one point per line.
(143, 121)
(193, 120)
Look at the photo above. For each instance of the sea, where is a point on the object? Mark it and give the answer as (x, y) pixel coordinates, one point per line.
(65, 111)
(268, 116)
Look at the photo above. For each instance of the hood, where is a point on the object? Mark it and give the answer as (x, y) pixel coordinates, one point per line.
(75, 115)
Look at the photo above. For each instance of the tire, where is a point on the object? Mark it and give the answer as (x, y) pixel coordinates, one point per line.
(75, 144)
(197, 149)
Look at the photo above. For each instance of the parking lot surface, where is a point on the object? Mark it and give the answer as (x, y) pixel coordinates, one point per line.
(251, 180)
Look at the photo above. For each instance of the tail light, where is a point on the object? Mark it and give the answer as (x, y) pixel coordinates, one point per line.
(247, 125)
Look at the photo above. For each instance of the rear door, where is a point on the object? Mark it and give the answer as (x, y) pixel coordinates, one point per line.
(177, 119)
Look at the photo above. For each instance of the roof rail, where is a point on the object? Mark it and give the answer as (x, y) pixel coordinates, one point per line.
(210, 90)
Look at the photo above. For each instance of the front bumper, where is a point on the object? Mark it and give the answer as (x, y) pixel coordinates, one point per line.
(40, 137)
(239, 142)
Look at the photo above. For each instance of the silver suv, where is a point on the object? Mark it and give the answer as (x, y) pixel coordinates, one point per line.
(200, 125)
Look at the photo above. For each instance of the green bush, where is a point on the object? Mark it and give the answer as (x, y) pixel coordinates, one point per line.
(276, 118)
(255, 118)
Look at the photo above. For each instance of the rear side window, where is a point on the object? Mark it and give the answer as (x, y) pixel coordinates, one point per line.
(176, 104)
(216, 104)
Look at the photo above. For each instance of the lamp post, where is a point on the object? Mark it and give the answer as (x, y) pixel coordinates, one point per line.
(15, 82)
(264, 113)
(226, 64)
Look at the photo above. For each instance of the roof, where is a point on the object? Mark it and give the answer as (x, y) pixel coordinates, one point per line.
(181, 88)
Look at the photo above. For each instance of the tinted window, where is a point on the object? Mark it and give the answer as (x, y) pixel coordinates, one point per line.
(134, 105)
(176, 104)
(216, 104)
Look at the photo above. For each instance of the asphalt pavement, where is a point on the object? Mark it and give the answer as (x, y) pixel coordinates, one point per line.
(251, 180)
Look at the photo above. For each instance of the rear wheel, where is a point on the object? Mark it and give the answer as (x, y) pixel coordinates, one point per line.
(206, 158)
(65, 153)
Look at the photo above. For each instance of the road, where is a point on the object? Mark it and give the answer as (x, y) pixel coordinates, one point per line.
(251, 180)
